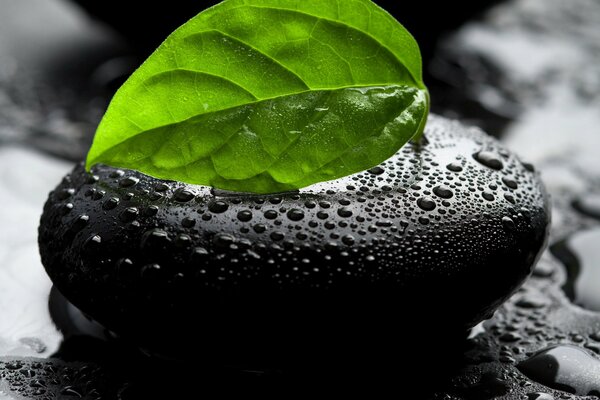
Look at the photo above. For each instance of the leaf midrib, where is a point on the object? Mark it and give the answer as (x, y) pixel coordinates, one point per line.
(258, 100)
(267, 169)
(275, 61)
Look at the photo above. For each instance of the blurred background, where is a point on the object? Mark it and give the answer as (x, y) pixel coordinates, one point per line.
(525, 71)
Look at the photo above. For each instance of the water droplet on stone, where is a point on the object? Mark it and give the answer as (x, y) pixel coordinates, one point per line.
(348, 240)
(310, 204)
(270, 214)
(510, 183)
(301, 236)
(426, 203)
(13, 365)
(200, 252)
(71, 392)
(244, 215)
(344, 212)
(509, 198)
(93, 241)
(124, 268)
(489, 159)
(65, 193)
(507, 359)
(161, 187)
(276, 236)
(128, 182)
(295, 214)
(443, 191)
(111, 203)
(183, 195)
(217, 206)
(151, 211)
(183, 240)
(129, 214)
(454, 167)
(66, 208)
(155, 196)
(80, 222)
(489, 196)
(188, 222)
(28, 373)
(223, 240)
(510, 337)
(508, 224)
(98, 194)
(376, 171)
(155, 239)
(37, 383)
(324, 204)
(322, 215)
(206, 217)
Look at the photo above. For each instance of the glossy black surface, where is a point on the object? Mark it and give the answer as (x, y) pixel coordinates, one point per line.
(337, 269)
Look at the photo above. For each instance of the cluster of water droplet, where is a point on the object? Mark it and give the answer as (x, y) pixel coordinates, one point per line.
(460, 197)
(49, 380)
(440, 216)
(537, 347)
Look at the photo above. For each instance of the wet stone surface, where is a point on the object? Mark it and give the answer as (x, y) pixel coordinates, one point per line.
(546, 109)
(43, 379)
(342, 255)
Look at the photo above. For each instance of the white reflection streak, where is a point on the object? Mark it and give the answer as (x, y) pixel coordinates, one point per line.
(25, 181)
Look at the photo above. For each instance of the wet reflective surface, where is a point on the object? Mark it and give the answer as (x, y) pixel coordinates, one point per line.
(25, 327)
(564, 367)
(326, 273)
(527, 72)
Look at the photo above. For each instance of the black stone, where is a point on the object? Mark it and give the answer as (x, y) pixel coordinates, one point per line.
(263, 289)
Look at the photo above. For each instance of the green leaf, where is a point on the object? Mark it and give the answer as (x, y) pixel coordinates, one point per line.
(269, 95)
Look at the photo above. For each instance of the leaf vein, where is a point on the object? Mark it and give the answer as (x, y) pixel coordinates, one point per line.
(248, 45)
(414, 78)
